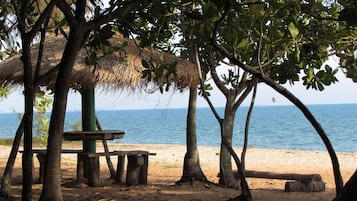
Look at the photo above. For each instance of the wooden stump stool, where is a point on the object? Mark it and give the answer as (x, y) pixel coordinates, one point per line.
(136, 169)
(120, 168)
(135, 162)
(300, 186)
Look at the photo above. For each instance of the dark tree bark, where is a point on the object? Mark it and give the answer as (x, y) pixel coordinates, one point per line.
(28, 121)
(191, 167)
(79, 28)
(28, 31)
(5, 190)
(349, 192)
(52, 178)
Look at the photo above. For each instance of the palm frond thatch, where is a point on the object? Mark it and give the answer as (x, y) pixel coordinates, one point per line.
(113, 71)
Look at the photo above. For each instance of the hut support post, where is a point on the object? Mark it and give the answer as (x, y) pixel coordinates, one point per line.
(88, 122)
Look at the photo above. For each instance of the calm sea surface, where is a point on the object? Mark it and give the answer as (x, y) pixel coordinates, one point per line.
(282, 127)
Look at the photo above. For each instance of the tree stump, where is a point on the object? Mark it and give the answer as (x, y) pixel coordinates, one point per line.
(144, 170)
(299, 186)
(133, 169)
(119, 178)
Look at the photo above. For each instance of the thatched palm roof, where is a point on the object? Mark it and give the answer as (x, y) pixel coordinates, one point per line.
(113, 70)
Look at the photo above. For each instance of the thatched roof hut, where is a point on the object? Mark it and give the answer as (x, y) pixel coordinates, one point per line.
(114, 71)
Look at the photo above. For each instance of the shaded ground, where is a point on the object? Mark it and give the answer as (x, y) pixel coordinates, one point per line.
(166, 167)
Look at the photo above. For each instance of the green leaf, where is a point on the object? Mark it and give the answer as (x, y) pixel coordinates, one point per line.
(294, 31)
(243, 44)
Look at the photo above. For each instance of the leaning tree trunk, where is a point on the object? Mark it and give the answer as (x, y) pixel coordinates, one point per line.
(52, 178)
(246, 127)
(349, 192)
(6, 179)
(226, 173)
(245, 191)
(191, 167)
(283, 91)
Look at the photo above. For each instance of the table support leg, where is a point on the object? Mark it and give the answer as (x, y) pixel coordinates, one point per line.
(80, 167)
(94, 171)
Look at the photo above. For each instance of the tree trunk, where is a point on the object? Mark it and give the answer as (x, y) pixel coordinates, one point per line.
(227, 177)
(349, 192)
(28, 121)
(6, 179)
(283, 91)
(52, 179)
(246, 128)
(191, 167)
(245, 192)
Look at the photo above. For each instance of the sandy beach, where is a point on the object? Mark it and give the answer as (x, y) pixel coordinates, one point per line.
(166, 168)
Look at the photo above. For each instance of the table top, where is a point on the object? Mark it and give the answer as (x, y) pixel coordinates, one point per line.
(93, 135)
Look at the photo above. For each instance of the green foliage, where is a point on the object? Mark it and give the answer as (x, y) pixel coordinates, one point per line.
(205, 91)
(162, 74)
(288, 40)
(4, 91)
(98, 45)
(43, 101)
(349, 12)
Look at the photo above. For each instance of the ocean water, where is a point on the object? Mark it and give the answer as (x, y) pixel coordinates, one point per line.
(281, 127)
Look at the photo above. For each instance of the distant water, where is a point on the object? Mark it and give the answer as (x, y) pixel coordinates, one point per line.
(281, 127)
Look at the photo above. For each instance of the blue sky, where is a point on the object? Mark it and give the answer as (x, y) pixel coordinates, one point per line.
(342, 92)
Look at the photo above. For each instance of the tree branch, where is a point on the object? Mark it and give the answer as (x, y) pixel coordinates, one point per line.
(80, 11)
(215, 113)
(246, 127)
(243, 96)
(286, 93)
(115, 14)
(44, 15)
(67, 12)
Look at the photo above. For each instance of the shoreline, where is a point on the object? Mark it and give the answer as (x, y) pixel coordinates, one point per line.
(235, 147)
(165, 168)
(8, 142)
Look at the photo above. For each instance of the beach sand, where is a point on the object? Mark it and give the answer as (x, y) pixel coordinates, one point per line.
(166, 168)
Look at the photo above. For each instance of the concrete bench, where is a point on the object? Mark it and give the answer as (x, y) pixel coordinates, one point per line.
(295, 183)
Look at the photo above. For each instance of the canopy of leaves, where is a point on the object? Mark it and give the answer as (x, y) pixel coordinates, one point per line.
(347, 46)
(286, 40)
